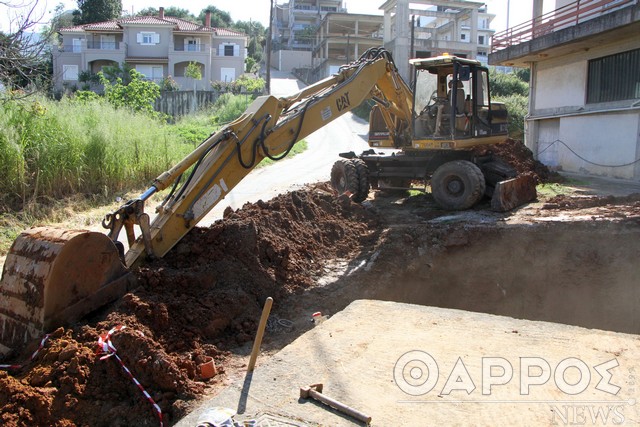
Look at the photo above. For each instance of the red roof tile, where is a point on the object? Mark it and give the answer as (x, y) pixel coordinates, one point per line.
(179, 25)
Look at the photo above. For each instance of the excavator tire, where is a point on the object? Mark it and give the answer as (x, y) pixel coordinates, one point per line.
(53, 277)
(363, 180)
(457, 185)
(344, 178)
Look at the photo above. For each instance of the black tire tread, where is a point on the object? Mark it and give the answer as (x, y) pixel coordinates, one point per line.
(471, 195)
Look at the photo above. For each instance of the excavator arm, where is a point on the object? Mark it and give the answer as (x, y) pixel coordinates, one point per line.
(54, 277)
(268, 128)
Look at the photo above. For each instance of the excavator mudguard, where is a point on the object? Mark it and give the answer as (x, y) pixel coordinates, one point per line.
(53, 277)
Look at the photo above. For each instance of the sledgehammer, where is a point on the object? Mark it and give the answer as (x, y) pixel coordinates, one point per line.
(314, 391)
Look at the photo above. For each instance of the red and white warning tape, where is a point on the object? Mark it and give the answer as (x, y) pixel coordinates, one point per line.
(33, 356)
(107, 348)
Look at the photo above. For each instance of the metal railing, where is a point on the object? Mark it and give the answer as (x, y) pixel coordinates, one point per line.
(103, 45)
(564, 17)
(191, 47)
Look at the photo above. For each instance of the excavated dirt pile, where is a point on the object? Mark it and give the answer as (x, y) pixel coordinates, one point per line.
(521, 158)
(200, 300)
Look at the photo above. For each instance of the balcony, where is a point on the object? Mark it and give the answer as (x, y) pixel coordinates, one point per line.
(191, 48)
(100, 45)
(565, 17)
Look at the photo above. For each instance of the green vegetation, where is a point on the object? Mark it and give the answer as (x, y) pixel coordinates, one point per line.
(547, 191)
(512, 89)
(138, 94)
(50, 150)
(59, 158)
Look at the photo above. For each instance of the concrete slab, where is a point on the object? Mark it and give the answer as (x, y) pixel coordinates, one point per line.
(601, 186)
(415, 365)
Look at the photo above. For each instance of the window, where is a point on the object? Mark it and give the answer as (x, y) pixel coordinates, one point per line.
(229, 49)
(151, 72)
(463, 36)
(147, 38)
(614, 77)
(481, 40)
(69, 72)
(192, 45)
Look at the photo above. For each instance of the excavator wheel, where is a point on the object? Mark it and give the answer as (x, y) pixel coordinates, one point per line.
(53, 277)
(363, 180)
(457, 185)
(347, 177)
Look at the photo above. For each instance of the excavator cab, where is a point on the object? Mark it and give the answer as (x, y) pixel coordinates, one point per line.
(452, 103)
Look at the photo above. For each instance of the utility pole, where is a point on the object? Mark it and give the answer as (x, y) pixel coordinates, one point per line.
(269, 49)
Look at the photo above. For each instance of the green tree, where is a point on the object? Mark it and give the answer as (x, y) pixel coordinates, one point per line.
(512, 89)
(176, 12)
(219, 18)
(193, 72)
(61, 18)
(505, 84)
(138, 95)
(90, 11)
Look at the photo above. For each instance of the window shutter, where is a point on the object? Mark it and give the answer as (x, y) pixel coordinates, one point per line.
(221, 50)
(156, 38)
(236, 50)
(139, 37)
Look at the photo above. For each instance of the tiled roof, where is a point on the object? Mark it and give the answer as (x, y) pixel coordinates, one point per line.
(227, 32)
(179, 25)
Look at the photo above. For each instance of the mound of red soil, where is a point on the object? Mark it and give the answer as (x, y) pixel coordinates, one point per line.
(203, 298)
(521, 158)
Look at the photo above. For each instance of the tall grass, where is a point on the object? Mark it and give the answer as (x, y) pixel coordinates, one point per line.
(54, 149)
(50, 150)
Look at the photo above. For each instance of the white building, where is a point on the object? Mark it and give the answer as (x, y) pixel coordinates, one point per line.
(584, 105)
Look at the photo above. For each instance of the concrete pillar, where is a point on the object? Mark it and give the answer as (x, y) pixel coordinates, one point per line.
(403, 38)
(474, 32)
(531, 126)
(386, 38)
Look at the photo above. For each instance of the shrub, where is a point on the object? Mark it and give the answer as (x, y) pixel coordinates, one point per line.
(517, 107)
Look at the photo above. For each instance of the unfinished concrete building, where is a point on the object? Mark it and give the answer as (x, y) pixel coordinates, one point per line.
(458, 27)
(295, 23)
(342, 38)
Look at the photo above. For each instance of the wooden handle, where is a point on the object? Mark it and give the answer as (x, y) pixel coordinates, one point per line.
(341, 407)
(261, 327)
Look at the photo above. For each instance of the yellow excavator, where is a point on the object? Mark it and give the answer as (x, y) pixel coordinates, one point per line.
(54, 277)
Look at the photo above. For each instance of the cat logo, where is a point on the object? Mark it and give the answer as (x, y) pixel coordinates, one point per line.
(343, 101)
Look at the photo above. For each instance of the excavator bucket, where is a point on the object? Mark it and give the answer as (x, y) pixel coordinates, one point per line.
(53, 277)
(513, 192)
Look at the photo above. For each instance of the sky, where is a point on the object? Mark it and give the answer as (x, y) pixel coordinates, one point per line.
(258, 10)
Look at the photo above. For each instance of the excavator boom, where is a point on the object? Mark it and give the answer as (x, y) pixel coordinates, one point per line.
(49, 270)
(52, 277)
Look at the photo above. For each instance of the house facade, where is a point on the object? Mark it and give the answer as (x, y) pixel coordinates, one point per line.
(584, 102)
(156, 46)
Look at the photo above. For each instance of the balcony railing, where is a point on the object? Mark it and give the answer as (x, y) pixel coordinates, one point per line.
(190, 48)
(103, 45)
(567, 16)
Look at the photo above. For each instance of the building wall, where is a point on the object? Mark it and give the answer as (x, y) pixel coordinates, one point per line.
(287, 60)
(136, 49)
(561, 121)
(561, 86)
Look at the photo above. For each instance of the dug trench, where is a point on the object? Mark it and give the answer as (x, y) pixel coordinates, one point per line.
(567, 260)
